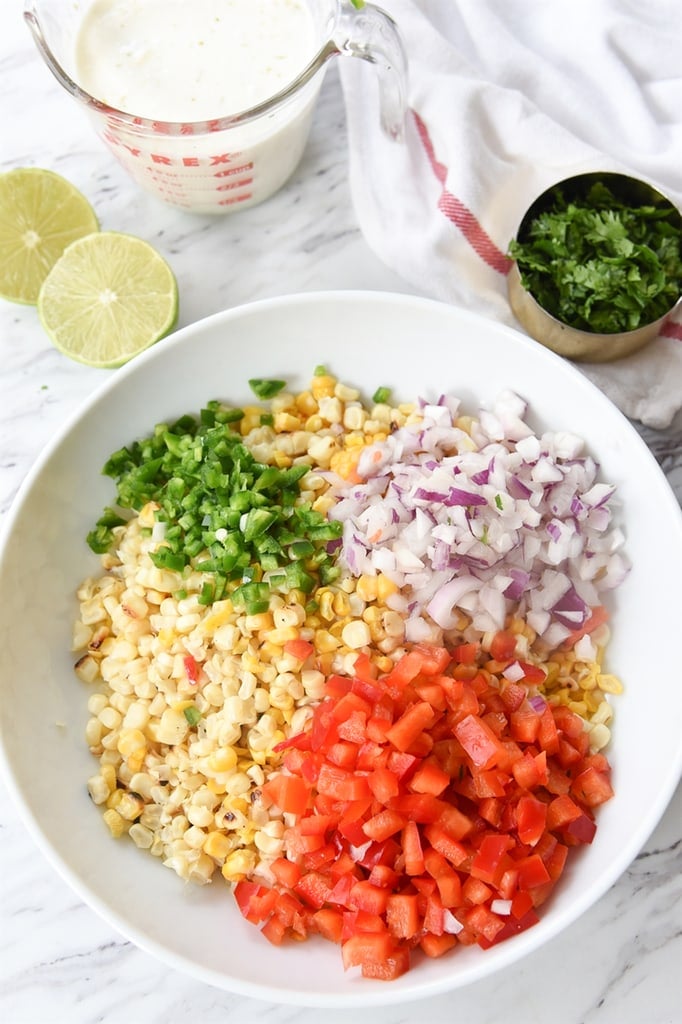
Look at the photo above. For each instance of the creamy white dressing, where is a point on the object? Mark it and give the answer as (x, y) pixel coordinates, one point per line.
(192, 60)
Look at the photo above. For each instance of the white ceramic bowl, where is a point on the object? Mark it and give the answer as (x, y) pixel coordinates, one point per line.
(417, 347)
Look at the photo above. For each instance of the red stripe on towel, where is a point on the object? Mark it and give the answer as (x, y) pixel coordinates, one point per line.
(671, 329)
(456, 212)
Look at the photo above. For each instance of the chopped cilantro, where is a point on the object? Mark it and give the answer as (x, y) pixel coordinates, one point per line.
(598, 264)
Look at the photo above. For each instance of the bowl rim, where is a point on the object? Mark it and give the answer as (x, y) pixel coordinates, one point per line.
(523, 944)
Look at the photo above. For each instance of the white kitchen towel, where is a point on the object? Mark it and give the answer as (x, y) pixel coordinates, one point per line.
(507, 97)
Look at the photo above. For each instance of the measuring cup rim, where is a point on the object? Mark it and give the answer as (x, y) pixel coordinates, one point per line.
(205, 126)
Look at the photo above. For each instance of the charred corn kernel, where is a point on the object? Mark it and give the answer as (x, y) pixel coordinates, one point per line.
(285, 422)
(131, 742)
(110, 718)
(325, 600)
(108, 773)
(340, 604)
(217, 845)
(610, 684)
(87, 668)
(282, 636)
(354, 417)
(93, 732)
(356, 634)
(224, 760)
(290, 615)
(306, 403)
(98, 789)
(323, 504)
(96, 703)
(238, 864)
(250, 420)
(385, 587)
(600, 736)
(603, 714)
(115, 823)
(322, 386)
(142, 784)
(313, 425)
(130, 806)
(367, 587)
(393, 624)
(141, 836)
(173, 727)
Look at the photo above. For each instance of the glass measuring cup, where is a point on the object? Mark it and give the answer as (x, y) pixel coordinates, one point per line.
(242, 158)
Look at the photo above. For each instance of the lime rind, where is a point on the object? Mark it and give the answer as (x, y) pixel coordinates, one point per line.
(109, 297)
(41, 214)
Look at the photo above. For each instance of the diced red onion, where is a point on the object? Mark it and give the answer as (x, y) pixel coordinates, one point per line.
(494, 522)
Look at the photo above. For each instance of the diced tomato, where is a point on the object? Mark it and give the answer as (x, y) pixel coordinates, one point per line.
(402, 765)
(436, 945)
(314, 860)
(475, 891)
(289, 792)
(247, 896)
(446, 878)
(531, 817)
(412, 849)
(286, 872)
(490, 858)
(354, 728)
(532, 872)
(420, 807)
(455, 822)
(433, 660)
(599, 615)
(314, 889)
(343, 754)
(411, 723)
(274, 930)
(341, 784)
(479, 741)
(384, 824)
(511, 926)
(429, 778)
(561, 811)
(484, 923)
(298, 648)
(191, 669)
(368, 897)
(524, 724)
(384, 876)
(383, 784)
(503, 646)
(466, 654)
(513, 695)
(395, 964)
(402, 914)
(592, 787)
(581, 830)
(442, 841)
(329, 923)
(367, 948)
(418, 795)
(533, 674)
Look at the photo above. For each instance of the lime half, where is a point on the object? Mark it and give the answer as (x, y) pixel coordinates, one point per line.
(40, 214)
(107, 298)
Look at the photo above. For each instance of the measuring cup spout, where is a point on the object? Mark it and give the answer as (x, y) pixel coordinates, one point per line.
(371, 34)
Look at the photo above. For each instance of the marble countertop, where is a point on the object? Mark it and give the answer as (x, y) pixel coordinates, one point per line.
(59, 962)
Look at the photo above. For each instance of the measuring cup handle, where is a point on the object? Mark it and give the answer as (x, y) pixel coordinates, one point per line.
(371, 34)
